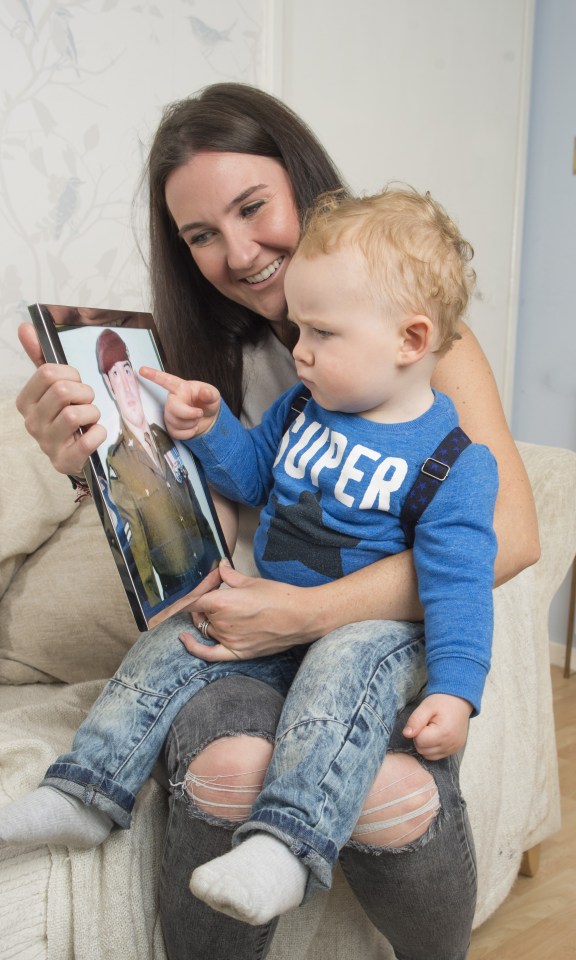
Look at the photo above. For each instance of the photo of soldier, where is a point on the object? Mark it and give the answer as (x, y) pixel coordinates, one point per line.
(170, 539)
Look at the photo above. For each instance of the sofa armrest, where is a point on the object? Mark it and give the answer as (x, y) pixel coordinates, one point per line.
(510, 768)
(552, 475)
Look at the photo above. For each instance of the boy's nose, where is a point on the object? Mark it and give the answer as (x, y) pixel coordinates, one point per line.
(302, 354)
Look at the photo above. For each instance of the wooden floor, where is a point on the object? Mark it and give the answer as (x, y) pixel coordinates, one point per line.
(538, 920)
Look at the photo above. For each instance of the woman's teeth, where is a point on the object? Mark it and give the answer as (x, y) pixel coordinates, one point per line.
(266, 272)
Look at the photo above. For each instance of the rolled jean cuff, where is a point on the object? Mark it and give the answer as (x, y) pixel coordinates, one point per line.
(107, 795)
(315, 851)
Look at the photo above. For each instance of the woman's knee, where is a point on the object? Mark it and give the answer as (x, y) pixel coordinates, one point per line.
(220, 746)
(231, 706)
(401, 805)
(225, 778)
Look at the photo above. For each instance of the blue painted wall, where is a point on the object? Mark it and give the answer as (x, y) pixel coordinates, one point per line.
(544, 406)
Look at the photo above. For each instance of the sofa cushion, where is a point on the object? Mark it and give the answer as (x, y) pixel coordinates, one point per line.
(55, 559)
(34, 499)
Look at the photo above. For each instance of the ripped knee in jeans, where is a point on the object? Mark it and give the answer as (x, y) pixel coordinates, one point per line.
(402, 804)
(224, 779)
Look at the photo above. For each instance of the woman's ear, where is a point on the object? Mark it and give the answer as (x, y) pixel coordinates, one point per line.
(416, 339)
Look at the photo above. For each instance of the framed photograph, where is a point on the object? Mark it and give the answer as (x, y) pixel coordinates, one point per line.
(150, 491)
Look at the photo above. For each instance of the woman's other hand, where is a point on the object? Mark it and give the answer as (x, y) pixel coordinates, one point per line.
(254, 618)
(58, 410)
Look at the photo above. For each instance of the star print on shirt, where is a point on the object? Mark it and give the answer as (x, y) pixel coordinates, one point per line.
(296, 532)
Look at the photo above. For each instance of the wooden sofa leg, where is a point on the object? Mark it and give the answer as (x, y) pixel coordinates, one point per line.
(530, 862)
(570, 630)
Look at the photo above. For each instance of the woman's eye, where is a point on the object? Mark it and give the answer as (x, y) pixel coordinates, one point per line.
(252, 208)
(199, 239)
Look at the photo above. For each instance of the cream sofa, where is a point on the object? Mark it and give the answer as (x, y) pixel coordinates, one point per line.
(64, 626)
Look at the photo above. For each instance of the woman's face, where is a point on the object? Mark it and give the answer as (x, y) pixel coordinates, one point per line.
(237, 214)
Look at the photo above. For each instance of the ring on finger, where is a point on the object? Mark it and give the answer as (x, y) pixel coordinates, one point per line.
(203, 628)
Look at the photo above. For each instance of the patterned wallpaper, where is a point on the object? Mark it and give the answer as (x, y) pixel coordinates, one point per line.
(83, 83)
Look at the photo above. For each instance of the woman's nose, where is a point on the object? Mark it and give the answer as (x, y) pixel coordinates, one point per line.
(241, 251)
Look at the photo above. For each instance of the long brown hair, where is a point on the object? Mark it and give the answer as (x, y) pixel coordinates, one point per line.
(202, 331)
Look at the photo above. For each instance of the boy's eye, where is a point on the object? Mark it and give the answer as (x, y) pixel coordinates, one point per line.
(323, 334)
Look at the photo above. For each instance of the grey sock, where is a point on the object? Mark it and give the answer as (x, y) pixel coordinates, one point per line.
(48, 816)
(258, 880)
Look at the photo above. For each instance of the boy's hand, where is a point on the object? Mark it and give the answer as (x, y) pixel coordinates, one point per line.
(191, 406)
(439, 725)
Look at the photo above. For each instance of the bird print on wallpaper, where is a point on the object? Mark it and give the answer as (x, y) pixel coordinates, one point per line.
(63, 38)
(19, 13)
(65, 207)
(208, 36)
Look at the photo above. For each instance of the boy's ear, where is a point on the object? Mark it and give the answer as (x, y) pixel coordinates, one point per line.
(416, 339)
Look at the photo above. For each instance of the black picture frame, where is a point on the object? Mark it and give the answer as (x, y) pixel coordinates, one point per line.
(129, 510)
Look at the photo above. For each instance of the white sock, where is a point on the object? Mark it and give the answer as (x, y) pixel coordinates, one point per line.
(48, 816)
(256, 881)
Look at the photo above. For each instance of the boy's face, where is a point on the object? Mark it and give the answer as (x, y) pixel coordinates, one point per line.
(348, 348)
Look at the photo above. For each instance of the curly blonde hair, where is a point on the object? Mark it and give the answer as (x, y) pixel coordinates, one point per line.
(415, 255)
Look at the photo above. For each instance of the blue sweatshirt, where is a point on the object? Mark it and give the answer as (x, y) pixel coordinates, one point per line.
(332, 489)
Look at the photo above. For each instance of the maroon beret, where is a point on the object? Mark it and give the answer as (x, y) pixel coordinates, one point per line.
(110, 349)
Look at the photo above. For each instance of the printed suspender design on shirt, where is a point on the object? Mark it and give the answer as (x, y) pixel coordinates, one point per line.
(433, 471)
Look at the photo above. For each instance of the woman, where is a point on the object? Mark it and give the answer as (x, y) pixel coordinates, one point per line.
(231, 174)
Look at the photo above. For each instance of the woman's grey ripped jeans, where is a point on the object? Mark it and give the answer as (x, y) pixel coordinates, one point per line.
(415, 879)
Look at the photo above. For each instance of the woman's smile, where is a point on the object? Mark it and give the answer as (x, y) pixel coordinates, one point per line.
(266, 272)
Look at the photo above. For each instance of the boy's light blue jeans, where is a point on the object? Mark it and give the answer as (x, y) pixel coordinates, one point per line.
(332, 736)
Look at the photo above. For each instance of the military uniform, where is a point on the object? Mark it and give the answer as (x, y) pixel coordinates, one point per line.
(169, 533)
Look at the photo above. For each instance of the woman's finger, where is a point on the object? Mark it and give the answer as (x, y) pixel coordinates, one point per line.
(209, 584)
(59, 414)
(47, 378)
(29, 340)
(214, 653)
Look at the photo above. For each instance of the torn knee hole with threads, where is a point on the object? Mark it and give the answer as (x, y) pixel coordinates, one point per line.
(225, 778)
(401, 805)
